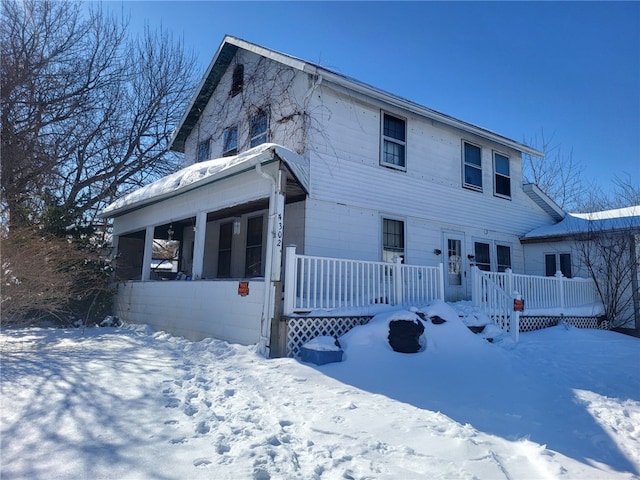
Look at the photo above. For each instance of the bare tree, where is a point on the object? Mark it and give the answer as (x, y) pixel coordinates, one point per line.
(611, 257)
(86, 112)
(558, 174)
(610, 249)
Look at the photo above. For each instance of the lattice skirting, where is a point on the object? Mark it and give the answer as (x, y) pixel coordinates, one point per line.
(528, 324)
(302, 329)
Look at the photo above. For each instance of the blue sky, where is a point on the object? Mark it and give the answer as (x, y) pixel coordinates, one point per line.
(570, 69)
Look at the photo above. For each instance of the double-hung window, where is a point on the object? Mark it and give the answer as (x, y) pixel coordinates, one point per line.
(393, 142)
(392, 239)
(230, 141)
(203, 151)
(259, 128)
(501, 175)
(472, 166)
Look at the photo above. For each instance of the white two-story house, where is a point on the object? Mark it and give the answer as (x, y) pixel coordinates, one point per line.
(281, 151)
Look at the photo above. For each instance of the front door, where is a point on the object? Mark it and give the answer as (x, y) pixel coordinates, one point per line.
(454, 274)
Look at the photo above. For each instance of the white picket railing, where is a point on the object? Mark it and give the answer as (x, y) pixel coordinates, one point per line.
(556, 292)
(491, 294)
(494, 293)
(324, 283)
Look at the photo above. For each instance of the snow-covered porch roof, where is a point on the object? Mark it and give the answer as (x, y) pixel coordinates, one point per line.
(618, 220)
(204, 173)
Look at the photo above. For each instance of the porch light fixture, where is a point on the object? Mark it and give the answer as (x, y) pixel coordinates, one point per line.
(437, 251)
(170, 231)
(236, 226)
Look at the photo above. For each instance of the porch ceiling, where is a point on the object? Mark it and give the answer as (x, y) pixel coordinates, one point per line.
(204, 173)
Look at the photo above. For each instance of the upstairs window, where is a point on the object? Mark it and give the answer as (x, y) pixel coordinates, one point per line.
(394, 140)
(259, 128)
(392, 239)
(203, 151)
(501, 174)
(230, 142)
(472, 166)
(238, 80)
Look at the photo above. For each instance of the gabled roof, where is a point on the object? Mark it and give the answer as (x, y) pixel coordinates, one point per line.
(575, 224)
(228, 49)
(203, 173)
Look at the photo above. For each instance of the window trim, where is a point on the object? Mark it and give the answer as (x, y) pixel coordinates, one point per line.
(227, 152)
(384, 138)
(402, 253)
(465, 184)
(496, 174)
(252, 136)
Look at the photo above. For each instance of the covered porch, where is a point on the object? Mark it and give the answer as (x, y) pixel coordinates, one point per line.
(199, 253)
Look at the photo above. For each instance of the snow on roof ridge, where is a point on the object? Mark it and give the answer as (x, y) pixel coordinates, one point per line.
(631, 211)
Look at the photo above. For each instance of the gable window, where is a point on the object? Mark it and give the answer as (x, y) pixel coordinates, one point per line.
(501, 175)
(503, 255)
(472, 166)
(230, 141)
(482, 256)
(259, 128)
(224, 250)
(394, 139)
(253, 257)
(203, 151)
(554, 262)
(392, 239)
(237, 80)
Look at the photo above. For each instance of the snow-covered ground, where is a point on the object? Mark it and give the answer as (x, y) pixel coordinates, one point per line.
(132, 404)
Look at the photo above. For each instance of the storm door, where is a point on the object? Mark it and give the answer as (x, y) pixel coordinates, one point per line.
(454, 272)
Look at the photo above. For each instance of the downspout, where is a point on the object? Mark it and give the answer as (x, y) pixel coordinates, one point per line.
(276, 213)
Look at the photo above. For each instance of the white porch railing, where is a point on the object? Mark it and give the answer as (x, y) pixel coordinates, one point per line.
(494, 293)
(556, 292)
(324, 283)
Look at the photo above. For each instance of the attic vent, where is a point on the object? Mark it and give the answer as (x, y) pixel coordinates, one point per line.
(238, 80)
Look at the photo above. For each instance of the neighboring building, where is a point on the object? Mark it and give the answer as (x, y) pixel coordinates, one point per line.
(602, 244)
(363, 175)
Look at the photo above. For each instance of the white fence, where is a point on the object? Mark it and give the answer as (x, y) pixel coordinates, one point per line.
(540, 292)
(324, 283)
(495, 292)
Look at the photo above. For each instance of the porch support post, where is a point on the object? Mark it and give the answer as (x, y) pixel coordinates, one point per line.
(290, 279)
(148, 253)
(198, 245)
